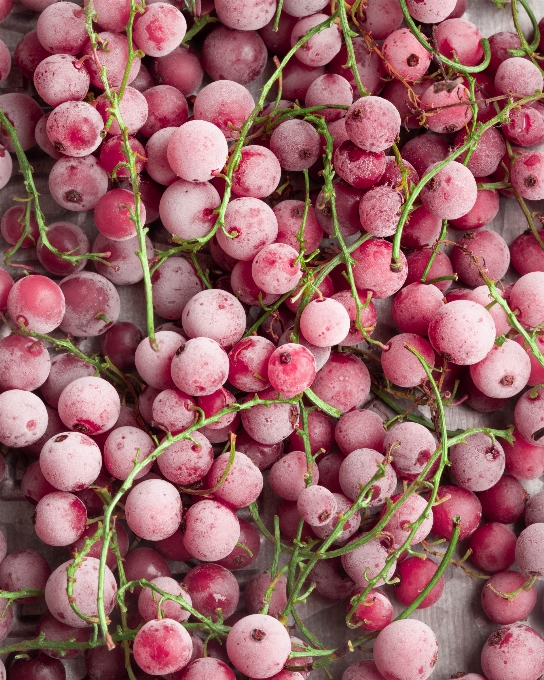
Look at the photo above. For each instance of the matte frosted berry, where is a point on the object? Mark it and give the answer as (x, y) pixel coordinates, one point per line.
(211, 530)
(324, 322)
(28, 53)
(74, 128)
(358, 430)
(361, 169)
(89, 405)
(159, 29)
(368, 560)
(276, 269)
(249, 364)
(291, 369)
(123, 447)
(477, 464)
(359, 468)
(296, 144)
(514, 652)
(484, 250)
(60, 78)
(207, 667)
(372, 270)
(226, 104)
(214, 314)
(523, 460)
(180, 68)
(415, 305)
(213, 365)
(288, 476)
(70, 461)
(164, 646)
(24, 363)
(451, 193)
(526, 254)
(406, 648)
(504, 372)
(430, 12)
(85, 592)
(316, 505)
(37, 303)
(518, 75)
(258, 645)
(187, 208)
(381, 18)
(61, 28)
(411, 446)
(322, 47)
(23, 418)
(173, 411)
(247, 15)
(250, 225)
(78, 183)
(289, 215)
(60, 518)
(379, 210)
(258, 173)
(197, 150)
(462, 331)
(530, 550)
(228, 54)
(526, 297)
(460, 38)
(153, 509)
(401, 365)
(184, 462)
(243, 483)
(167, 107)
(173, 284)
(406, 55)
(330, 89)
(343, 382)
(373, 123)
(362, 670)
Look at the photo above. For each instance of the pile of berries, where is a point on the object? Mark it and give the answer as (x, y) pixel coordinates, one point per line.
(321, 283)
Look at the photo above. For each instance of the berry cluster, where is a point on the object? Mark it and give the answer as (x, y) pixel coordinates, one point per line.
(277, 244)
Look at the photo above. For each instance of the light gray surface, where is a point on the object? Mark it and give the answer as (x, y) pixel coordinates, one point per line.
(457, 619)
